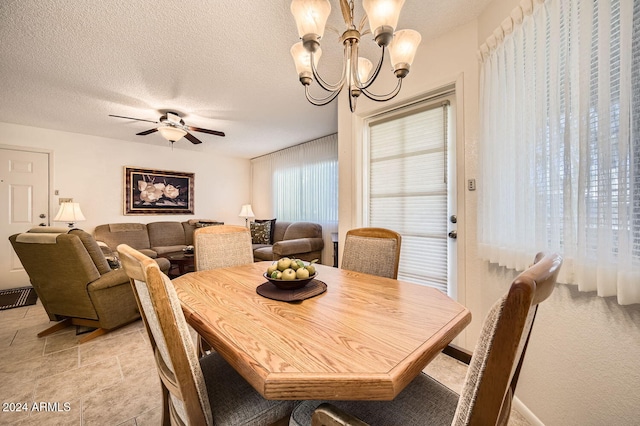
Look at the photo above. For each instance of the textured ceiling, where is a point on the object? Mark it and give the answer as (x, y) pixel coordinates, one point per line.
(224, 64)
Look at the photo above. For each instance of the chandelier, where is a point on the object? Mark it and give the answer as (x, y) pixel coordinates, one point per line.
(311, 18)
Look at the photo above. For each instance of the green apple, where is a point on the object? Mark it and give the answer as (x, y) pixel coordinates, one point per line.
(311, 268)
(296, 263)
(302, 273)
(288, 274)
(276, 275)
(273, 267)
(284, 263)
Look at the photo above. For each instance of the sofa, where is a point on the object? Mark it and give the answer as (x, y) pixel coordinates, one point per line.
(302, 240)
(153, 239)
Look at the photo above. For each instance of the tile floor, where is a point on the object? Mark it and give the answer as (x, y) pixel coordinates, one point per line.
(110, 380)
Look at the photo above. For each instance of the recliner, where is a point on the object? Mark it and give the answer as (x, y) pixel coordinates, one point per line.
(74, 281)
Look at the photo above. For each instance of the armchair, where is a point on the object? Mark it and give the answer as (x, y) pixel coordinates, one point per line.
(74, 281)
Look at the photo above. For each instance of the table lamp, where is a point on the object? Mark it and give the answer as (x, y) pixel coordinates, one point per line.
(246, 212)
(70, 213)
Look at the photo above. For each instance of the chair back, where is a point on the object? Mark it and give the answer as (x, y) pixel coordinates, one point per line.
(61, 263)
(495, 365)
(222, 246)
(185, 398)
(374, 251)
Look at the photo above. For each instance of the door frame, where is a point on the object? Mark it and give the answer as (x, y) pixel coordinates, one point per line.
(358, 176)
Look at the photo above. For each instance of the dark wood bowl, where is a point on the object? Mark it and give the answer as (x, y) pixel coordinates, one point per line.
(290, 284)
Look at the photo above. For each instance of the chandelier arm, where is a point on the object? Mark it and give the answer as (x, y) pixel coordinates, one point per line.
(326, 86)
(383, 98)
(320, 101)
(363, 21)
(375, 73)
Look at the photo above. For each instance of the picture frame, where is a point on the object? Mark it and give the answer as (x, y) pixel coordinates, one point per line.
(156, 192)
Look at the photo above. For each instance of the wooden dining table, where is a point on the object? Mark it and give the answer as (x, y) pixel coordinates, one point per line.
(364, 338)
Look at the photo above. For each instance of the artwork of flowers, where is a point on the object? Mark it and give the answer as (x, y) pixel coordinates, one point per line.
(158, 192)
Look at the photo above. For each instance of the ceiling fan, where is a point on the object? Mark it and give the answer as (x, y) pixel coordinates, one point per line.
(172, 128)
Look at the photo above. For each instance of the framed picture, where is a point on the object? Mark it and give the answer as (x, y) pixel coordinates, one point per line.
(154, 192)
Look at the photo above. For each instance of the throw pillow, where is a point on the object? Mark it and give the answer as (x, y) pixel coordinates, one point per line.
(260, 232)
(273, 228)
(205, 224)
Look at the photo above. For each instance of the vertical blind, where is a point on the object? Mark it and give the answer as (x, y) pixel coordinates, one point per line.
(408, 190)
(303, 184)
(560, 143)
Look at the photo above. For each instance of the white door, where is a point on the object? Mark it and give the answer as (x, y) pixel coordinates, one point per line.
(412, 188)
(24, 191)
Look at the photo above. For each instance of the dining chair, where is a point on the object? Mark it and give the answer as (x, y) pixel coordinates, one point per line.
(491, 378)
(194, 391)
(222, 246)
(374, 251)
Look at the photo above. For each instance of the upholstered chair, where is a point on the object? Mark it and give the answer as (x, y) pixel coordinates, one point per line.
(194, 391)
(374, 251)
(74, 281)
(222, 246)
(491, 378)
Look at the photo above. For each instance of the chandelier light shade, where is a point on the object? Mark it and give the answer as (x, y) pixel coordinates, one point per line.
(171, 133)
(311, 16)
(357, 73)
(70, 213)
(302, 60)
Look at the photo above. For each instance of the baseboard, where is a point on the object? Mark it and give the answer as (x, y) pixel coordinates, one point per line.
(525, 412)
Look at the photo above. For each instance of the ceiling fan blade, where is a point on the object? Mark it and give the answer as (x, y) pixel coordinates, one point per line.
(211, 132)
(147, 132)
(192, 138)
(131, 118)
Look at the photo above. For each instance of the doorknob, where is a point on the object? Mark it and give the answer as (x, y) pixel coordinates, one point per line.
(42, 215)
(453, 218)
(453, 235)
(43, 224)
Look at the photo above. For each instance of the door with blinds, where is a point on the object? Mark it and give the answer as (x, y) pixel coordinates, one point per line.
(411, 188)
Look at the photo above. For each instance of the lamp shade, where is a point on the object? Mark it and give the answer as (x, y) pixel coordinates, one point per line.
(171, 133)
(364, 69)
(383, 13)
(311, 16)
(246, 211)
(403, 47)
(70, 213)
(302, 59)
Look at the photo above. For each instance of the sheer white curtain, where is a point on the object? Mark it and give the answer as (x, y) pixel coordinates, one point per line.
(560, 142)
(300, 183)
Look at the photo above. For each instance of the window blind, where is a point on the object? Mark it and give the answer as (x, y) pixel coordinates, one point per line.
(408, 190)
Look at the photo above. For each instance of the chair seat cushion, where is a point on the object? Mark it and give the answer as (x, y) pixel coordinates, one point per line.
(233, 400)
(424, 401)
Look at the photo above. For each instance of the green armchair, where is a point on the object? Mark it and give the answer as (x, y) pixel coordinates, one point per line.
(74, 281)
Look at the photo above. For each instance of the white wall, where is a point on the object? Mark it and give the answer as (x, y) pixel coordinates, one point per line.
(582, 366)
(90, 170)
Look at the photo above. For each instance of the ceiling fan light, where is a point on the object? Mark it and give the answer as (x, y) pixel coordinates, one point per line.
(170, 133)
(383, 18)
(311, 16)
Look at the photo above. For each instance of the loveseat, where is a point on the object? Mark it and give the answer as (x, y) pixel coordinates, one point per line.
(302, 240)
(153, 239)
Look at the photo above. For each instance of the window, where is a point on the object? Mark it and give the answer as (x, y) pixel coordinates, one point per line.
(300, 183)
(560, 144)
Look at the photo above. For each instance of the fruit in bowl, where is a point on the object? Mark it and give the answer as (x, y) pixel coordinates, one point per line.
(289, 274)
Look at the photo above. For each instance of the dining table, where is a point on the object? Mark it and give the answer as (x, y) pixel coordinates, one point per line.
(364, 338)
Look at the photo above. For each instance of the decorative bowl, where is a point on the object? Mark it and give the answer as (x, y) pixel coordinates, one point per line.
(290, 284)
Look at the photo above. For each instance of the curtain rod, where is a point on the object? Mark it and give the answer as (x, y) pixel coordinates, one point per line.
(507, 26)
(293, 146)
